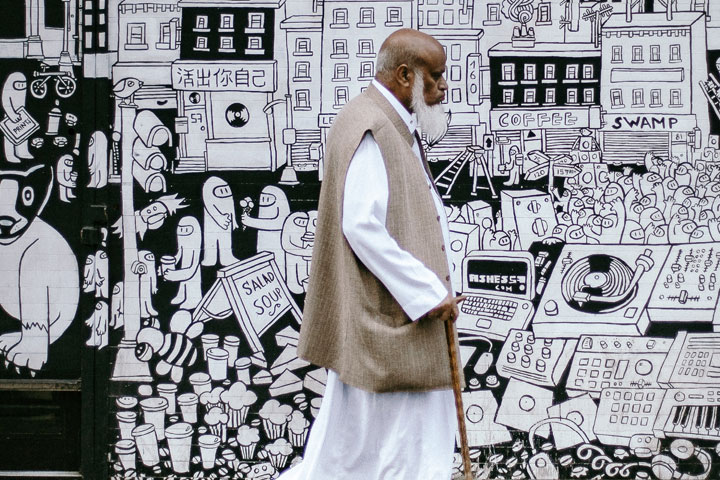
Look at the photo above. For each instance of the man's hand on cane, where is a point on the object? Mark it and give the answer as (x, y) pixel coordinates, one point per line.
(447, 310)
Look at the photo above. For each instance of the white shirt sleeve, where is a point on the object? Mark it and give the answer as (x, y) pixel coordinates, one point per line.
(415, 287)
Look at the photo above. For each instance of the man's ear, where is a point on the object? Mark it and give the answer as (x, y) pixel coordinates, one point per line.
(404, 76)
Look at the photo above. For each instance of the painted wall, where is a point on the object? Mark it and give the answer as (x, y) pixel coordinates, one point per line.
(161, 166)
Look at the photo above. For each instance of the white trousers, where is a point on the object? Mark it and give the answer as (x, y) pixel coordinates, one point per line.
(360, 435)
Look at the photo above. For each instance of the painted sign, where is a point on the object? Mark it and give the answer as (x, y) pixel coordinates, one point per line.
(260, 76)
(254, 291)
(641, 122)
(533, 118)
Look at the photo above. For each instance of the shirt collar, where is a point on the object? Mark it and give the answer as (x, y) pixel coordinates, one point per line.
(406, 116)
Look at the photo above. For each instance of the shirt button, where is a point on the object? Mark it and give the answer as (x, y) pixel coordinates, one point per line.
(447, 278)
(438, 218)
(442, 247)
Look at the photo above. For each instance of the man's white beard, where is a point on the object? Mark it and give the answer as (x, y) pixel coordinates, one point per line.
(432, 119)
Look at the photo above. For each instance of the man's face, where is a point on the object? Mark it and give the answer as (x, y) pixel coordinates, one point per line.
(434, 77)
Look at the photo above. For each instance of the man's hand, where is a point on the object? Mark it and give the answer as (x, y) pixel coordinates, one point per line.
(447, 310)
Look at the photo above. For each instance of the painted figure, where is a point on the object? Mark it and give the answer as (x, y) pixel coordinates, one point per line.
(40, 285)
(218, 223)
(272, 212)
(174, 350)
(98, 324)
(185, 267)
(98, 160)
(116, 306)
(14, 93)
(67, 179)
(145, 268)
(297, 252)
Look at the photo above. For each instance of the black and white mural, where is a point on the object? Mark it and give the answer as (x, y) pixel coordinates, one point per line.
(580, 173)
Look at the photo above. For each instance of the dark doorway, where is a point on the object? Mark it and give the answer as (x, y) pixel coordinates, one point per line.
(54, 14)
(13, 19)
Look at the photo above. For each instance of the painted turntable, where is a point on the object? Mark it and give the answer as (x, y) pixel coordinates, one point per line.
(597, 291)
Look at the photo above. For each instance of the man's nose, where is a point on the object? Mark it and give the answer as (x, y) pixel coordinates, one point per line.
(442, 85)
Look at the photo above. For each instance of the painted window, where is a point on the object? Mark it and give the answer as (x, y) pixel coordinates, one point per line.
(227, 21)
(135, 38)
(340, 47)
(529, 95)
(508, 72)
(302, 71)
(201, 43)
(367, 69)
(456, 95)
(302, 99)
(655, 98)
(256, 20)
(201, 22)
(637, 54)
(529, 70)
(550, 95)
(493, 13)
(549, 71)
(455, 52)
(226, 44)
(302, 46)
(572, 95)
(638, 97)
(394, 17)
(341, 96)
(367, 17)
(455, 73)
(341, 71)
(675, 99)
(544, 15)
(365, 47)
(675, 53)
(654, 53)
(340, 16)
(571, 72)
(254, 46)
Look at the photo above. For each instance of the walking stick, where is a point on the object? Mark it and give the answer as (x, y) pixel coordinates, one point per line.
(459, 410)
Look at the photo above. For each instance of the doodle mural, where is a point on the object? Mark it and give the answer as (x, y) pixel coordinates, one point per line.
(581, 178)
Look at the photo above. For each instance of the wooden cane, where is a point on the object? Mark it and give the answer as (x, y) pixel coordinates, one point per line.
(459, 410)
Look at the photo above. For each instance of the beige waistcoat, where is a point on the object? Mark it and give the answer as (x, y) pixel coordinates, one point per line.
(351, 323)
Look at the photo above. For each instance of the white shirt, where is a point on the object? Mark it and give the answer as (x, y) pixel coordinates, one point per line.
(361, 435)
(415, 287)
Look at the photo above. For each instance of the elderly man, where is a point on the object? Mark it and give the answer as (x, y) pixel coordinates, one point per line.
(380, 290)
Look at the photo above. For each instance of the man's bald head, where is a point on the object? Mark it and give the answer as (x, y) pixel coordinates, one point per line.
(405, 47)
(407, 55)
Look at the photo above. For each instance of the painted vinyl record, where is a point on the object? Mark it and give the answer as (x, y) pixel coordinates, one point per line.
(598, 276)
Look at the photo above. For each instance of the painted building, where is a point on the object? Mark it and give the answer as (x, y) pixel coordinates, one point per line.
(154, 263)
(150, 40)
(100, 37)
(227, 83)
(41, 29)
(712, 16)
(570, 21)
(451, 23)
(352, 34)
(303, 35)
(663, 115)
(541, 96)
